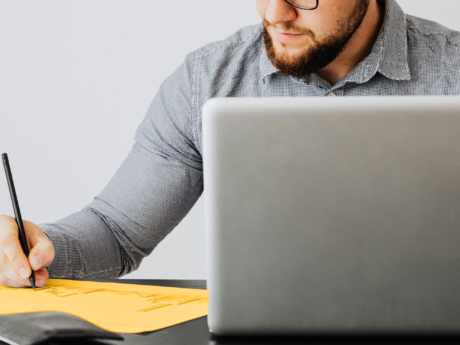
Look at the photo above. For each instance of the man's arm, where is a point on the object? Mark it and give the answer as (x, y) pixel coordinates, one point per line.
(156, 186)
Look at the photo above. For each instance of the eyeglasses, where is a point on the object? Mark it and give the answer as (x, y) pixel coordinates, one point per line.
(304, 4)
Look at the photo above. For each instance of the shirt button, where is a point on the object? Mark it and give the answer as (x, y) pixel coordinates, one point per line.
(331, 94)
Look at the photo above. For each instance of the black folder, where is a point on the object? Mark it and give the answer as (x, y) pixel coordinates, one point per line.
(50, 327)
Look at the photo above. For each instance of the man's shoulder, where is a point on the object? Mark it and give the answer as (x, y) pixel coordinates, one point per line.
(242, 39)
(433, 31)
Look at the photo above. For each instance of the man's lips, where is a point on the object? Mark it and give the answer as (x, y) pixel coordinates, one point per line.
(286, 37)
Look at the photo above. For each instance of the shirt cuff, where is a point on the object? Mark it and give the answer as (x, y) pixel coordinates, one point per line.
(57, 268)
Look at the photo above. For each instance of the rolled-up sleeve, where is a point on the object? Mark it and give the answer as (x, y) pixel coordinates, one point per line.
(154, 189)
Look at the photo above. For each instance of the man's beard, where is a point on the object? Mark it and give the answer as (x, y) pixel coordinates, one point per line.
(318, 54)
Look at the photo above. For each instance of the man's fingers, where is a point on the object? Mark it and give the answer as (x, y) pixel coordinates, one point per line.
(15, 267)
(9, 243)
(41, 255)
(7, 270)
(41, 276)
(5, 281)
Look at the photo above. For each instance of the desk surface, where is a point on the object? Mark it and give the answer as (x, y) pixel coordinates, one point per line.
(196, 332)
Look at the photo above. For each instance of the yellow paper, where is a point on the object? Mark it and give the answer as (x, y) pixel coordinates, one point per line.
(121, 308)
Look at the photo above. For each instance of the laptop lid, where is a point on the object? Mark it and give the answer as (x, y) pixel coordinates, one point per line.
(332, 214)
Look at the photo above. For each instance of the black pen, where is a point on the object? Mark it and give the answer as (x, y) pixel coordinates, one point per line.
(17, 213)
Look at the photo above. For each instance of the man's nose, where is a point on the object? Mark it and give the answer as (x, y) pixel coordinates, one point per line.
(279, 11)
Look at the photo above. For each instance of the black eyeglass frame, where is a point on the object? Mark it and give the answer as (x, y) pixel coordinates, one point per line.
(303, 8)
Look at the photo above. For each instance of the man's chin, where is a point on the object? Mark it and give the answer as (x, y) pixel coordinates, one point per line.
(286, 54)
(289, 49)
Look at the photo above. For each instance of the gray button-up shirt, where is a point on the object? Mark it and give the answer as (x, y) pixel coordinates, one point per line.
(162, 177)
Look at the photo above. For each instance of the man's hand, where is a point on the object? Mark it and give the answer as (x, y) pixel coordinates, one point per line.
(15, 268)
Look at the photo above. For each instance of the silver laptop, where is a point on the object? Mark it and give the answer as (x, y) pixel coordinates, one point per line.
(332, 215)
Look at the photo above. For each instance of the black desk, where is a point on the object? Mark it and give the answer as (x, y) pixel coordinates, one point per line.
(196, 332)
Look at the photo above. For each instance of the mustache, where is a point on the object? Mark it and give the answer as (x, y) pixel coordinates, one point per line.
(290, 28)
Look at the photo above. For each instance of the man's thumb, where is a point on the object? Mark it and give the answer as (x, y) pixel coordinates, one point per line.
(41, 256)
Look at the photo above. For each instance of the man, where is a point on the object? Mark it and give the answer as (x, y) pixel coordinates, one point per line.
(302, 48)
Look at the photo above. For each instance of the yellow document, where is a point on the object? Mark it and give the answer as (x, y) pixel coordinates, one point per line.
(121, 308)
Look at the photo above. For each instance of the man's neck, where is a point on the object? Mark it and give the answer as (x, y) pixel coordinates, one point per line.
(359, 47)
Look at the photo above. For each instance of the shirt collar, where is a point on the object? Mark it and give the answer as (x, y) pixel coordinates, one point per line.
(389, 55)
(266, 67)
(394, 58)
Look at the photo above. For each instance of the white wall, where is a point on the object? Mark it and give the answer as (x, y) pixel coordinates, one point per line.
(76, 78)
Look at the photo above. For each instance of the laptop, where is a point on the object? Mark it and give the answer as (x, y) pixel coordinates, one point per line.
(332, 215)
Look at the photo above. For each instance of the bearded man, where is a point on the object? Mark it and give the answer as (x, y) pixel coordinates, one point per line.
(302, 48)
